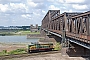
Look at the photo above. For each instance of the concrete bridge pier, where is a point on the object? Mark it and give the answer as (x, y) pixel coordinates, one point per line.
(42, 32)
(76, 50)
(73, 50)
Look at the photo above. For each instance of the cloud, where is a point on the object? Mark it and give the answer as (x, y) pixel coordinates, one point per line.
(43, 11)
(61, 1)
(10, 1)
(3, 8)
(37, 4)
(17, 6)
(26, 16)
(52, 7)
(74, 1)
(13, 7)
(79, 7)
(31, 3)
(18, 12)
(56, 1)
(38, 1)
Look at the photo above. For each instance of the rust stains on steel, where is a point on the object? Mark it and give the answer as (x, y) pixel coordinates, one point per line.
(82, 14)
(76, 25)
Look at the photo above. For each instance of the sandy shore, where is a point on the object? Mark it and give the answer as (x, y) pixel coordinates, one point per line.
(10, 47)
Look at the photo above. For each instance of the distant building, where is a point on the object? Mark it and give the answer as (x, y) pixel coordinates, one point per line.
(13, 28)
(34, 28)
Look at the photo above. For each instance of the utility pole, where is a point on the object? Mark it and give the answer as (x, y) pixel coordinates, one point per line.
(63, 38)
(63, 48)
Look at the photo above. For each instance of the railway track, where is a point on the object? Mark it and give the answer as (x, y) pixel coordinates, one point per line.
(26, 55)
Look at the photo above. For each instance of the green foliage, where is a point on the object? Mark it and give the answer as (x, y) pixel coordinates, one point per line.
(21, 32)
(28, 32)
(18, 51)
(57, 46)
(4, 52)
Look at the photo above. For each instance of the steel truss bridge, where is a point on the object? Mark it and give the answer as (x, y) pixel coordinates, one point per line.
(72, 27)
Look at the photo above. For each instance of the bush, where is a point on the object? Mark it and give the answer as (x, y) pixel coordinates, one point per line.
(57, 46)
(18, 51)
(4, 52)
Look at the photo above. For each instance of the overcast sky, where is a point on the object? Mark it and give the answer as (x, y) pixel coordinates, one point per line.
(26, 12)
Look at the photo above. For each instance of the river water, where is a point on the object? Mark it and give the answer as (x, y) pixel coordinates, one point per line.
(17, 39)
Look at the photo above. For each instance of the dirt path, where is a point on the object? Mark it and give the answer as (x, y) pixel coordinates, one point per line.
(56, 56)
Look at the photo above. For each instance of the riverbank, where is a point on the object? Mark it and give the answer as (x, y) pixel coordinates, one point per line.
(10, 47)
(17, 33)
(35, 36)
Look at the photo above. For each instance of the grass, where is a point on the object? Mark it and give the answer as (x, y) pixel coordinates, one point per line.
(57, 46)
(17, 51)
(29, 32)
(4, 52)
(19, 33)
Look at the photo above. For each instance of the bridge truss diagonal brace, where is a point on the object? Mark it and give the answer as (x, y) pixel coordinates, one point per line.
(86, 45)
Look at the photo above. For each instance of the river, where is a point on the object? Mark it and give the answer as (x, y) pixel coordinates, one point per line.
(17, 39)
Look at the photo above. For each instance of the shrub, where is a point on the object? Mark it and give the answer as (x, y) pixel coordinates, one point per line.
(57, 46)
(17, 51)
(4, 52)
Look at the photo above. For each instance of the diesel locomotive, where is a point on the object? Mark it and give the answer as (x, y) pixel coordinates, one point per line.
(37, 47)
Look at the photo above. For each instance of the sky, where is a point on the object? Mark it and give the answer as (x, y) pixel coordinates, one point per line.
(27, 12)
